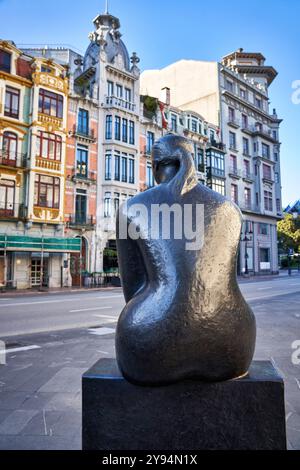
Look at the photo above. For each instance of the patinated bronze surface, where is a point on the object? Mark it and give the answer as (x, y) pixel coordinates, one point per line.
(185, 316)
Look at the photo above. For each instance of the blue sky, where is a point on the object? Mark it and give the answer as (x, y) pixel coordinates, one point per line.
(163, 31)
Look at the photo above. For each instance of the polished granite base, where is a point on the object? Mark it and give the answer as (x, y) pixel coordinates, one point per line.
(246, 413)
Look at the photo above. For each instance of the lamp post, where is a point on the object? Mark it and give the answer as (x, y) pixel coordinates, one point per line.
(246, 240)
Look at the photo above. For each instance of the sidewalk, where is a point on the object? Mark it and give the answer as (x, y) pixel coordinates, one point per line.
(62, 290)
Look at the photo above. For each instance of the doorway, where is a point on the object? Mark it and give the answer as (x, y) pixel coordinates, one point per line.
(78, 264)
(36, 272)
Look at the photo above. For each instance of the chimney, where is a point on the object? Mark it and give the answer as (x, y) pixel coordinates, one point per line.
(165, 96)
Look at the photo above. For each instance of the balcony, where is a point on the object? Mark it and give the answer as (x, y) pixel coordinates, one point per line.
(119, 103)
(263, 132)
(233, 122)
(216, 145)
(81, 221)
(234, 172)
(249, 207)
(13, 159)
(247, 176)
(12, 211)
(84, 135)
(146, 150)
(216, 172)
(87, 176)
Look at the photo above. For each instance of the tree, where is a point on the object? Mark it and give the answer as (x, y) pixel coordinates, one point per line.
(289, 233)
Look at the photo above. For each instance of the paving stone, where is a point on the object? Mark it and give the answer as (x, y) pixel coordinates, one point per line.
(12, 400)
(16, 421)
(68, 379)
(42, 424)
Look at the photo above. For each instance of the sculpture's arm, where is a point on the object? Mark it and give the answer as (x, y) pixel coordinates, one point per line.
(131, 266)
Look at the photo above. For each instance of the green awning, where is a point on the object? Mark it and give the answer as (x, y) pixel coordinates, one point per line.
(56, 245)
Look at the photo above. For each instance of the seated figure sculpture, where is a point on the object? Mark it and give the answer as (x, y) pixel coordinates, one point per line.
(185, 316)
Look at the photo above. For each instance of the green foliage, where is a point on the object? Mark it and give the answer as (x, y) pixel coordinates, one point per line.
(289, 233)
(150, 104)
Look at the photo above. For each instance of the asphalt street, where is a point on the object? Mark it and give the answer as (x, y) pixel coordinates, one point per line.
(51, 339)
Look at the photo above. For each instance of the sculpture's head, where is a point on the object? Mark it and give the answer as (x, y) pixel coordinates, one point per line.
(170, 154)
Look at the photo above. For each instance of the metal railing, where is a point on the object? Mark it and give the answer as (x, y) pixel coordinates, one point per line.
(217, 145)
(234, 171)
(84, 133)
(81, 175)
(13, 159)
(12, 210)
(117, 102)
(81, 220)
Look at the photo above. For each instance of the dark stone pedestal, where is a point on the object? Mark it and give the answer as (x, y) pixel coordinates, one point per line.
(246, 413)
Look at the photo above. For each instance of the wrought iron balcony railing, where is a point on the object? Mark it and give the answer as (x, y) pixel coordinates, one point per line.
(83, 133)
(12, 210)
(81, 220)
(13, 159)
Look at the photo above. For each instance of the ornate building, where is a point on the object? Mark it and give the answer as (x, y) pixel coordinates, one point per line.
(33, 123)
(233, 95)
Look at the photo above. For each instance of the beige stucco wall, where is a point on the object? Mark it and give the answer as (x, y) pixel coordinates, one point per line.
(193, 85)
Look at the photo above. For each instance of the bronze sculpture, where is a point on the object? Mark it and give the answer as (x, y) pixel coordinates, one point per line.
(185, 316)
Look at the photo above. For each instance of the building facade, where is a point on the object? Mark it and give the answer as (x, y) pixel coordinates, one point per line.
(33, 128)
(233, 95)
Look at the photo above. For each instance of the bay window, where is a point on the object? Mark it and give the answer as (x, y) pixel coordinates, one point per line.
(49, 146)
(46, 191)
(51, 103)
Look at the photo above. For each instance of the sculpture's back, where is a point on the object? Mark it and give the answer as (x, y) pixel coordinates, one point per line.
(185, 315)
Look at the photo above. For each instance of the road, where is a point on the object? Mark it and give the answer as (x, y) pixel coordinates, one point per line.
(39, 313)
(51, 339)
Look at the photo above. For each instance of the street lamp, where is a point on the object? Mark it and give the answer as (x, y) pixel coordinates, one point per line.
(246, 239)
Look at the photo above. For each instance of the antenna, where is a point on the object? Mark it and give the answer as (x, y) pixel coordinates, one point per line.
(106, 7)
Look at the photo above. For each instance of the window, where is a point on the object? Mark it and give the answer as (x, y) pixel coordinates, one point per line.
(10, 145)
(275, 156)
(149, 176)
(263, 229)
(274, 135)
(124, 130)
(232, 140)
(45, 69)
(128, 95)
(231, 114)
(258, 103)
(233, 163)
(174, 122)
(255, 147)
(124, 169)
(245, 146)
(150, 141)
(119, 91)
(81, 206)
(108, 166)
(117, 128)
(268, 201)
(131, 133)
(247, 198)
(7, 197)
(244, 121)
(117, 167)
(215, 163)
(264, 255)
(267, 172)
(212, 136)
(243, 93)
(108, 128)
(194, 125)
(12, 102)
(276, 177)
(5, 61)
(110, 88)
(229, 85)
(199, 159)
(51, 103)
(131, 171)
(218, 186)
(83, 122)
(107, 204)
(258, 127)
(278, 205)
(49, 146)
(234, 193)
(116, 202)
(82, 161)
(46, 191)
(265, 150)
(246, 168)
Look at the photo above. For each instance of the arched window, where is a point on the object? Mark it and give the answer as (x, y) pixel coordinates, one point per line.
(9, 148)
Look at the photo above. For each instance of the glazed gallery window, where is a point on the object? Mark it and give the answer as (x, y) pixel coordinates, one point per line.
(83, 121)
(7, 197)
(131, 133)
(218, 186)
(51, 103)
(124, 130)
(108, 166)
(12, 102)
(268, 201)
(9, 147)
(117, 128)
(108, 128)
(46, 191)
(216, 161)
(131, 171)
(49, 146)
(82, 161)
(5, 61)
(150, 141)
(117, 167)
